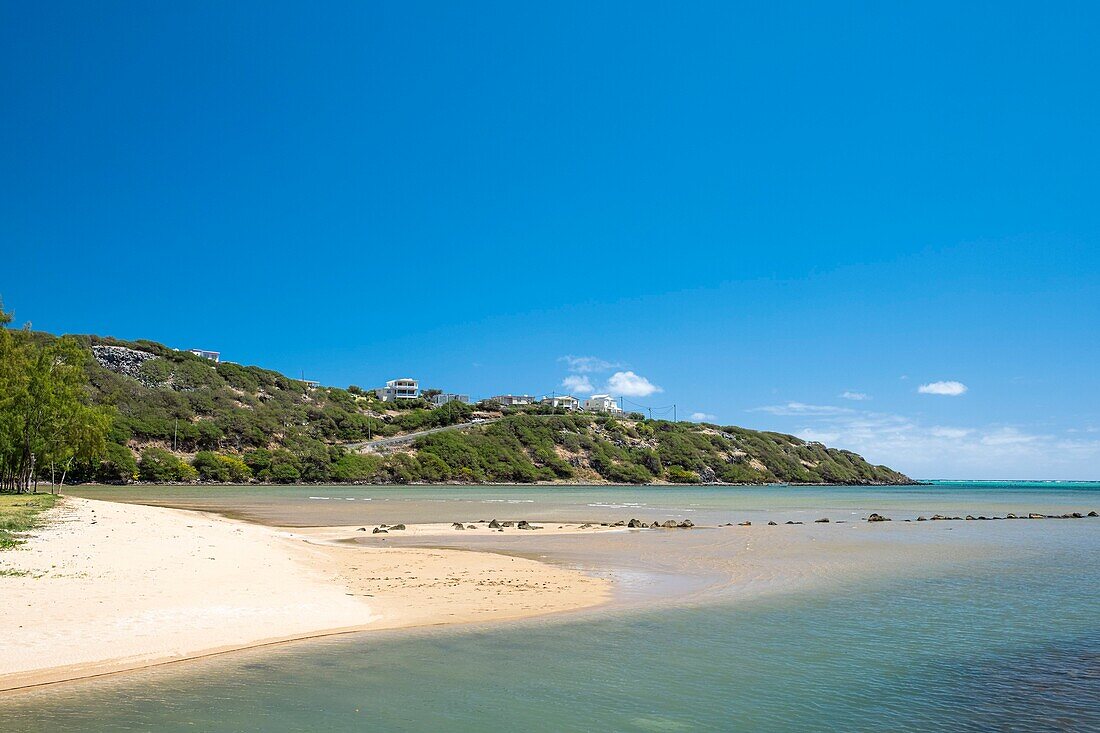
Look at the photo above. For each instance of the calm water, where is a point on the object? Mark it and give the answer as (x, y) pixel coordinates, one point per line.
(329, 505)
(1005, 639)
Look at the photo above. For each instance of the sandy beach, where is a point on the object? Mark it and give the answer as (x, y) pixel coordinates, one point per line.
(107, 587)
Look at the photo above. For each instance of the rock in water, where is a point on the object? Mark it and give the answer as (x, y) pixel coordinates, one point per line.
(771, 524)
(744, 524)
(635, 524)
(379, 530)
(494, 524)
(823, 520)
(458, 525)
(669, 523)
(398, 526)
(922, 519)
(877, 518)
(687, 524)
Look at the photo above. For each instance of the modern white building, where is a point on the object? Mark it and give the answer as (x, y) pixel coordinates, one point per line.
(214, 356)
(603, 403)
(445, 397)
(565, 402)
(510, 400)
(399, 389)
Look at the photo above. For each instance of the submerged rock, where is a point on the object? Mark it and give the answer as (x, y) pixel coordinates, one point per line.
(361, 529)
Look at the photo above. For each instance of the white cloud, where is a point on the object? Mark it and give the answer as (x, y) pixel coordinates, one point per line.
(950, 389)
(578, 384)
(946, 432)
(587, 364)
(630, 384)
(801, 408)
(938, 451)
(702, 417)
(858, 396)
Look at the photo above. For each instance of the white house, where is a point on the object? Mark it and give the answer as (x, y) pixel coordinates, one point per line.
(563, 401)
(510, 400)
(214, 356)
(399, 389)
(603, 403)
(445, 397)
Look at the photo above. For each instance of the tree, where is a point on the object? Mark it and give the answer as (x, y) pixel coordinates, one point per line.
(46, 421)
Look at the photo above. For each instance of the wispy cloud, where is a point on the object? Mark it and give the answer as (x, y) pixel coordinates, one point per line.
(946, 451)
(801, 408)
(949, 389)
(587, 364)
(578, 384)
(629, 384)
(702, 417)
(857, 396)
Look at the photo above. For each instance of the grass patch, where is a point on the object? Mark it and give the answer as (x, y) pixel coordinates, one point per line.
(20, 513)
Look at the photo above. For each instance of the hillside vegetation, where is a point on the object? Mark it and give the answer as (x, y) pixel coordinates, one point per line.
(179, 417)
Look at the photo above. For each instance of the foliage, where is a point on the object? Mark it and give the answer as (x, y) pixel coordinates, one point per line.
(213, 466)
(159, 466)
(47, 421)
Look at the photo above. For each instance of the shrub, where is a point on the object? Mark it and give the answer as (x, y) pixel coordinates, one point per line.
(158, 464)
(118, 465)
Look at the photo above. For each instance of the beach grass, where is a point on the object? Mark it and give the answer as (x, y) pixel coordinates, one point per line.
(21, 513)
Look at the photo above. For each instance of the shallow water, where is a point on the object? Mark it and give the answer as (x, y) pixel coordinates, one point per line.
(334, 505)
(968, 626)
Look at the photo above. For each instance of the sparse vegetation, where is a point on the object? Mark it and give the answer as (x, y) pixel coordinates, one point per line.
(20, 513)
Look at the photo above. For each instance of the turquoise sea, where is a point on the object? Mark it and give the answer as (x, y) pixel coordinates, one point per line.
(1000, 633)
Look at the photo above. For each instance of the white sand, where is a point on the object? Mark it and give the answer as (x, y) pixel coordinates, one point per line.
(110, 587)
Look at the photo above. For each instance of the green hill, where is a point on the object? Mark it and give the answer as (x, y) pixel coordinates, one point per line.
(183, 418)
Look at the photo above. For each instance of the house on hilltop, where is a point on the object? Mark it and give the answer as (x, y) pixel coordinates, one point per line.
(214, 356)
(566, 402)
(512, 400)
(399, 389)
(603, 403)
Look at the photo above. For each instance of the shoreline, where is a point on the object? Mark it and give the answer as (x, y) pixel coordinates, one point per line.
(116, 587)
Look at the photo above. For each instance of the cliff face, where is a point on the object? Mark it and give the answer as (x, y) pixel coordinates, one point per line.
(278, 429)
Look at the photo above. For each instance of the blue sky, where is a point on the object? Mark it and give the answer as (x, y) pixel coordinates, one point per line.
(755, 209)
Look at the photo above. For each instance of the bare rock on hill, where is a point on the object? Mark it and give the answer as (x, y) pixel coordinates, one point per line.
(122, 360)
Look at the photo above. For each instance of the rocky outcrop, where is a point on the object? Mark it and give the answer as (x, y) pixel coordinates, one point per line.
(124, 361)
